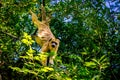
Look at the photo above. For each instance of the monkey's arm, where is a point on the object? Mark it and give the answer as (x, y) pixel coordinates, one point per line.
(43, 13)
(35, 19)
(45, 47)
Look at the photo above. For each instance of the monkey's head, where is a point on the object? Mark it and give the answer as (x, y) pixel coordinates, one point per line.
(53, 44)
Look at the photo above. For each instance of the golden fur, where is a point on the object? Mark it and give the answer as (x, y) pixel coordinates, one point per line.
(45, 37)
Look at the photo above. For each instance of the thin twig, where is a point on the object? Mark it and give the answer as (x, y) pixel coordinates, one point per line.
(9, 34)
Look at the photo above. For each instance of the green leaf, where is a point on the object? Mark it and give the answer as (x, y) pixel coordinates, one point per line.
(96, 61)
(36, 58)
(105, 65)
(102, 58)
(96, 77)
(84, 53)
(90, 64)
(47, 69)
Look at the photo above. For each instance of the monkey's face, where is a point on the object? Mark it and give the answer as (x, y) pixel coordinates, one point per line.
(54, 44)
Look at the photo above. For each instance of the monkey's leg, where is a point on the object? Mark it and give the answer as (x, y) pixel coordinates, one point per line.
(44, 50)
(51, 60)
(44, 59)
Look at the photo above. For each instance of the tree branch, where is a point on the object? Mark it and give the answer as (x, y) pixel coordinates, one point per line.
(10, 35)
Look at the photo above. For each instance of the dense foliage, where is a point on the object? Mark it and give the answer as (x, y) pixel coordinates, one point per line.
(89, 35)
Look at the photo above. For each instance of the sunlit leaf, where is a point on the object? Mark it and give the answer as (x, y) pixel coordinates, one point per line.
(68, 78)
(47, 69)
(84, 53)
(90, 64)
(96, 77)
(96, 61)
(102, 58)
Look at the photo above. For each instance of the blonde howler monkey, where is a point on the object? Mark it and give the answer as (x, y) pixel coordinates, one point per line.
(45, 37)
